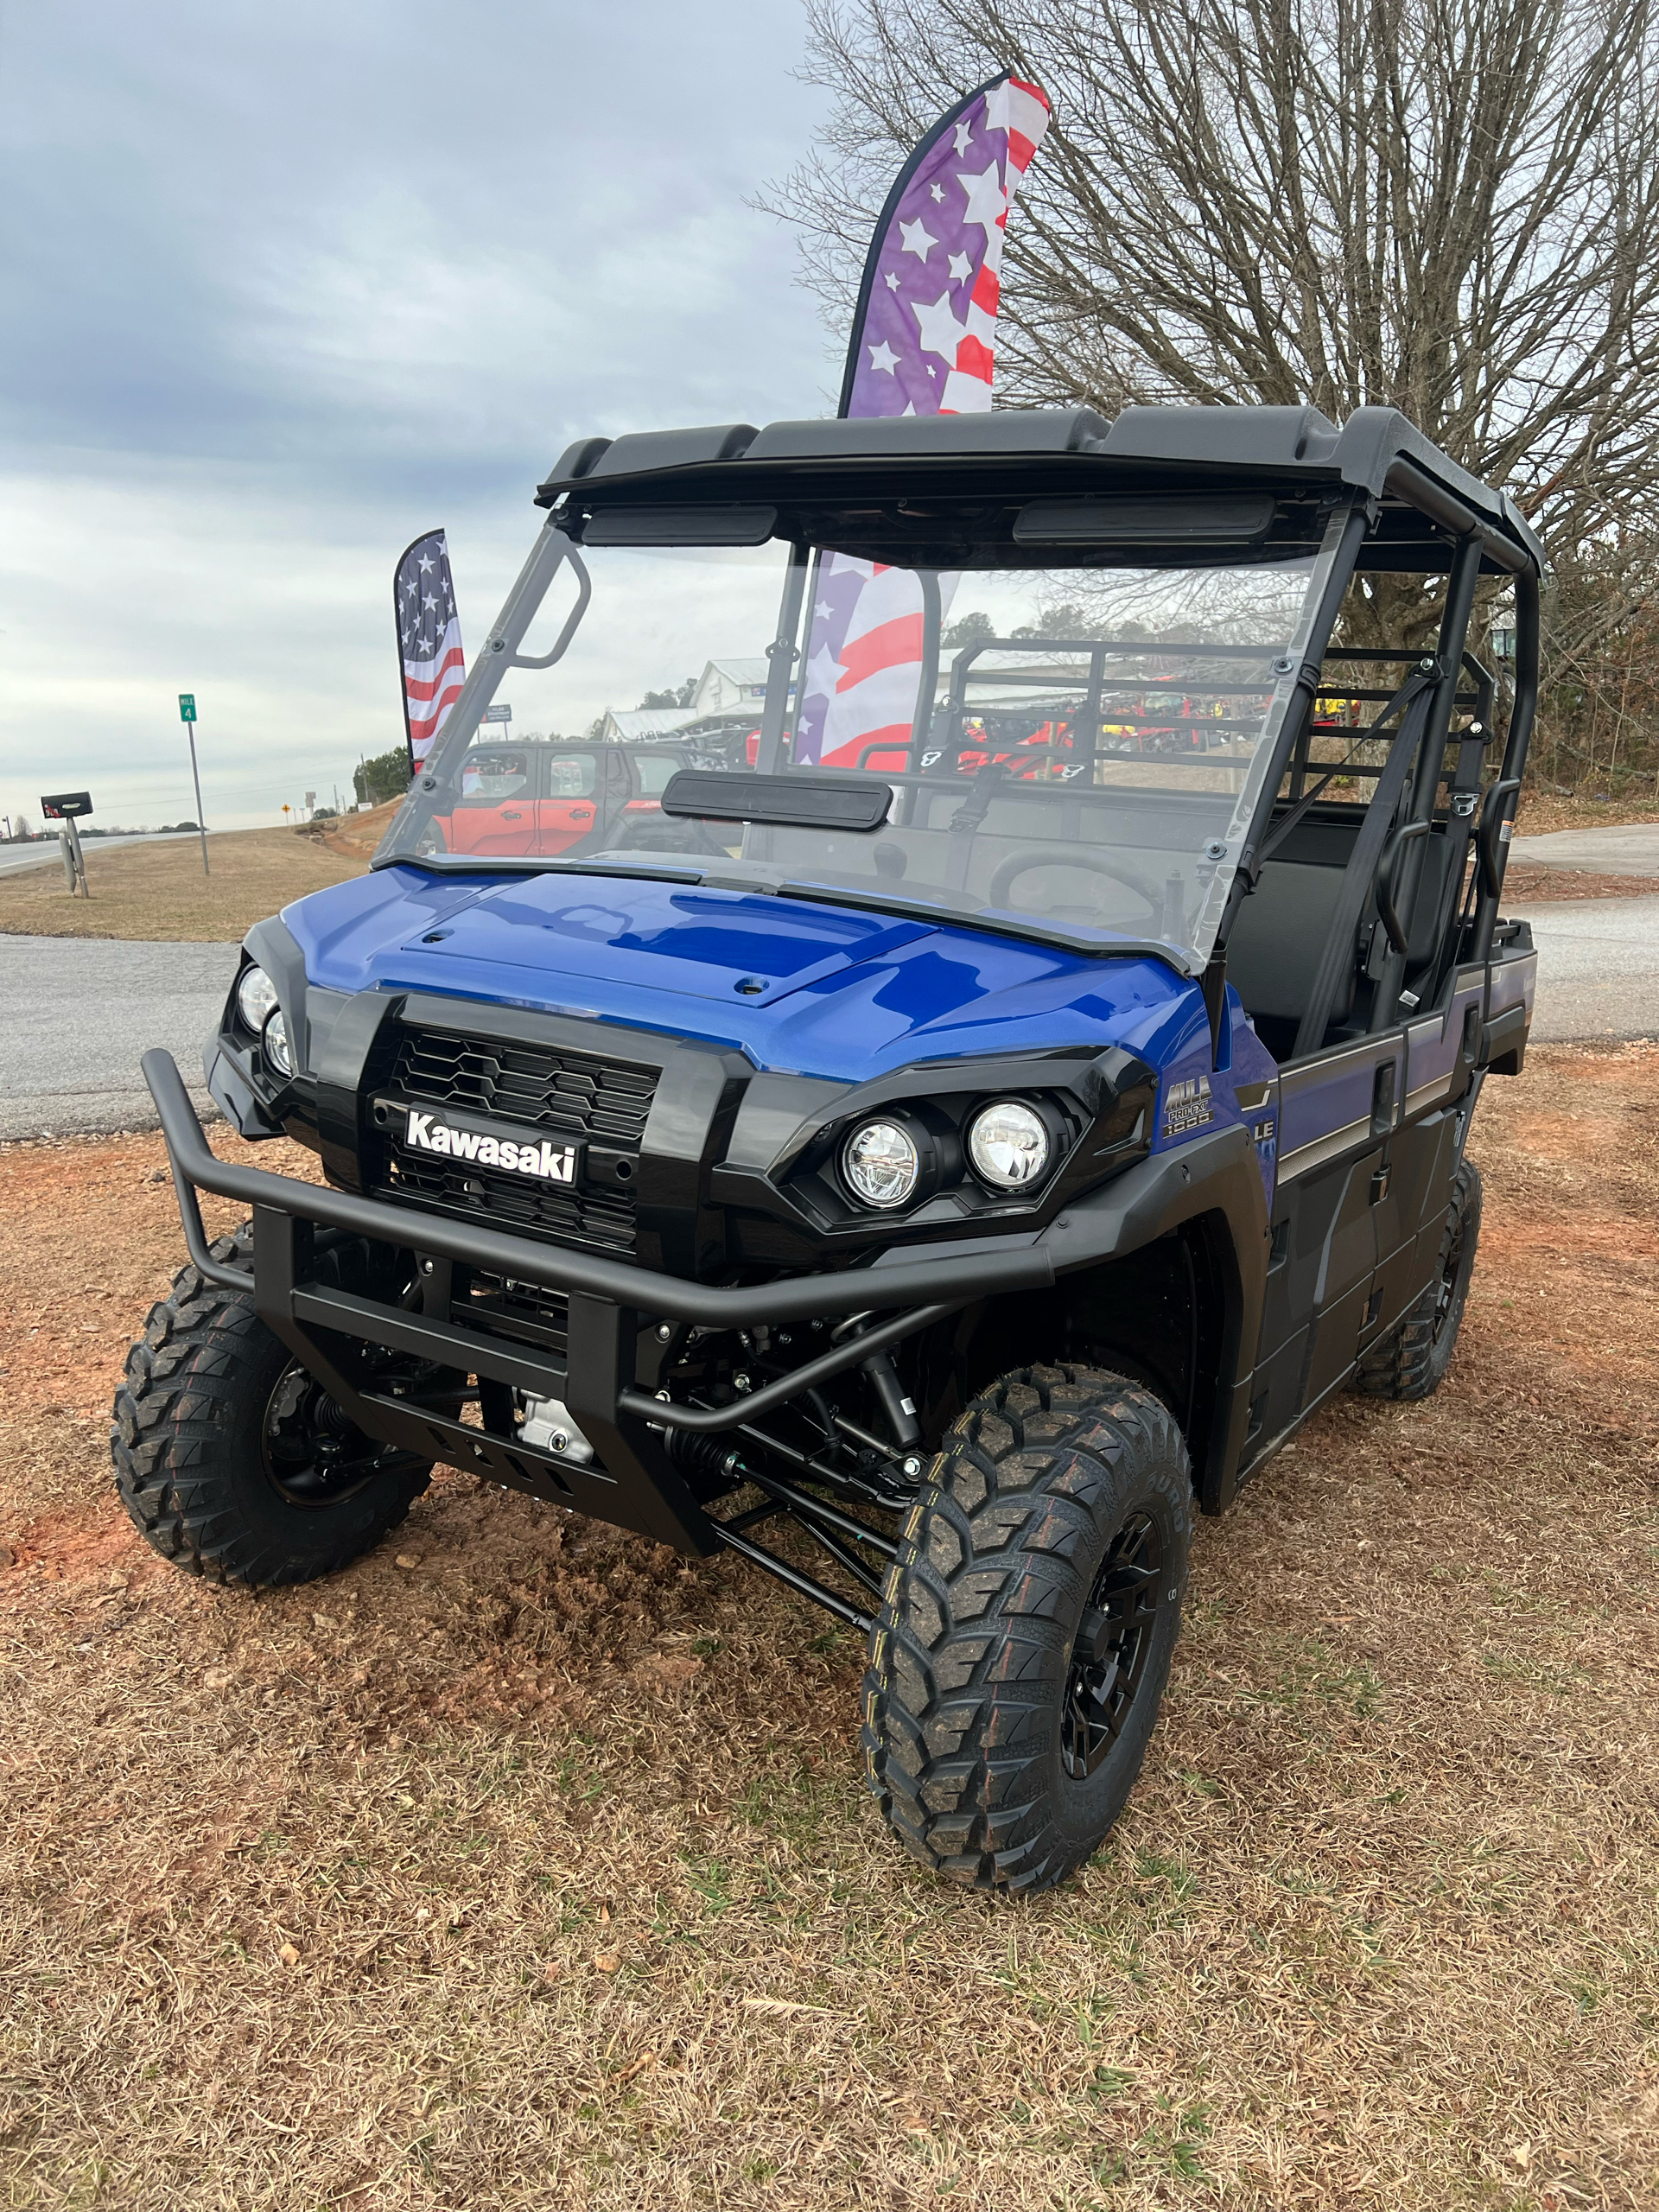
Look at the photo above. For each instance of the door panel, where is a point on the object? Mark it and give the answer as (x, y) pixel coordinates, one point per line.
(496, 811)
(1421, 1157)
(1410, 1214)
(1336, 1113)
(1343, 1211)
(566, 812)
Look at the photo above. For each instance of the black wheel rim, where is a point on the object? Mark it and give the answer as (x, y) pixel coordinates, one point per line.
(313, 1455)
(1112, 1648)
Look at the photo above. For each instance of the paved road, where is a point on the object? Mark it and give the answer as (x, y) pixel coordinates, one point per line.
(76, 1013)
(13, 857)
(1631, 849)
(1598, 968)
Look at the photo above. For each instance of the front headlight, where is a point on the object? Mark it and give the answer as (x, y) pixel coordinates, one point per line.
(1008, 1144)
(278, 1049)
(256, 998)
(879, 1164)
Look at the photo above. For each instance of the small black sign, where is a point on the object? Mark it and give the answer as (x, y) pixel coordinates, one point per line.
(61, 804)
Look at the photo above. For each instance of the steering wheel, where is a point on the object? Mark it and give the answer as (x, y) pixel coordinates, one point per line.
(1009, 871)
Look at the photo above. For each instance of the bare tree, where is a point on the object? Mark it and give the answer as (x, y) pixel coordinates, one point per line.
(1451, 207)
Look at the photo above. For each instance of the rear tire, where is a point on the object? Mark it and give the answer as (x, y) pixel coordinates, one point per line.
(226, 1454)
(1024, 1639)
(1413, 1361)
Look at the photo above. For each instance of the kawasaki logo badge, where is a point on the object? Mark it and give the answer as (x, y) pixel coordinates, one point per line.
(549, 1162)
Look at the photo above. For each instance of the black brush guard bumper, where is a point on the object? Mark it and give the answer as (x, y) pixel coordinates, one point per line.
(613, 1306)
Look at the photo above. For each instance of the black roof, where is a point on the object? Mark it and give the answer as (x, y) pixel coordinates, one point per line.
(809, 471)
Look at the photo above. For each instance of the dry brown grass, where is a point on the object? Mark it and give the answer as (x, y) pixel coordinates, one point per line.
(159, 892)
(1542, 812)
(356, 835)
(528, 1865)
(1525, 882)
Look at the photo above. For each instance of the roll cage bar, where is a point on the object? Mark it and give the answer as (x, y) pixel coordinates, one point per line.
(896, 486)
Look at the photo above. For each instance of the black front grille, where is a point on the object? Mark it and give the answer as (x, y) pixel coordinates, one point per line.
(529, 1087)
(571, 1092)
(604, 1217)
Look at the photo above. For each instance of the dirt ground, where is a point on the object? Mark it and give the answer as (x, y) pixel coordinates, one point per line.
(1525, 883)
(1541, 811)
(158, 893)
(525, 1864)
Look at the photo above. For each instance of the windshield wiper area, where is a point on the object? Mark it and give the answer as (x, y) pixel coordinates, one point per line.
(539, 864)
(801, 799)
(995, 921)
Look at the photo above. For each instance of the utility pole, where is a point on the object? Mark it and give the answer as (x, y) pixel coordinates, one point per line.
(188, 716)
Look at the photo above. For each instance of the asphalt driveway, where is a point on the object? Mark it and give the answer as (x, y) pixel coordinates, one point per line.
(1625, 848)
(75, 1014)
(1597, 968)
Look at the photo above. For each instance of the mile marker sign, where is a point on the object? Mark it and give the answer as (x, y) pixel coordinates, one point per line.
(188, 716)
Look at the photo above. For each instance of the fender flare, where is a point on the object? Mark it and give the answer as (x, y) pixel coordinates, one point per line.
(1215, 1178)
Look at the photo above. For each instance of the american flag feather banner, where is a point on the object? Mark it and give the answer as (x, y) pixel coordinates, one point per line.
(924, 343)
(428, 641)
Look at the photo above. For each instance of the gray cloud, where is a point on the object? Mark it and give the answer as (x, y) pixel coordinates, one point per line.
(285, 287)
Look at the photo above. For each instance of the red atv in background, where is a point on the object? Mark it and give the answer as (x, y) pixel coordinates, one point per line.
(543, 796)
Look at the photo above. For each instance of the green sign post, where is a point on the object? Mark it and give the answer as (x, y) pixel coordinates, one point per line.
(188, 716)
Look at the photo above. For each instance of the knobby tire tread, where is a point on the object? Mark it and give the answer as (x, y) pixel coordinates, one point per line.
(174, 1412)
(968, 1658)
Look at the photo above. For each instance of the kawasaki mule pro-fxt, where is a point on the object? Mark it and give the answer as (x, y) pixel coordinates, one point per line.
(964, 1137)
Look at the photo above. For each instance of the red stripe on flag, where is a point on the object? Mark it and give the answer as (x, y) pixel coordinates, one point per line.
(1024, 84)
(423, 725)
(890, 646)
(416, 689)
(1020, 149)
(973, 359)
(987, 289)
(897, 735)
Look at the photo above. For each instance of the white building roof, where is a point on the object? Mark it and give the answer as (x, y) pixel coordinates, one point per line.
(637, 723)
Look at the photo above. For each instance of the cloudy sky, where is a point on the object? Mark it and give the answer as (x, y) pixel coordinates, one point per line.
(285, 286)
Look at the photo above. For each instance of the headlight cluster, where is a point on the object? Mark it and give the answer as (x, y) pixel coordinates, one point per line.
(886, 1160)
(257, 1003)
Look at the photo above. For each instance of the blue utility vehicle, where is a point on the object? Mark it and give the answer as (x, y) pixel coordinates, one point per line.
(931, 1148)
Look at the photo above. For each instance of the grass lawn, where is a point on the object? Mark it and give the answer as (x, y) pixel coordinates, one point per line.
(527, 1864)
(158, 892)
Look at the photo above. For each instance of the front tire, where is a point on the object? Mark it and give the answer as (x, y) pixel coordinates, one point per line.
(1024, 1640)
(227, 1455)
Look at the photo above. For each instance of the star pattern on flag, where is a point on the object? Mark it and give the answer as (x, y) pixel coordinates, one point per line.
(928, 343)
(428, 631)
(863, 660)
(941, 332)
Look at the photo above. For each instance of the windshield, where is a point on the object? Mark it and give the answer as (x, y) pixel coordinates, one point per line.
(1075, 749)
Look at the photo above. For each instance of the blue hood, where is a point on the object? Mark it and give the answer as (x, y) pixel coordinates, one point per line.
(798, 987)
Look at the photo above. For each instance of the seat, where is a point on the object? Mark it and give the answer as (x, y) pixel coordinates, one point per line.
(1276, 944)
